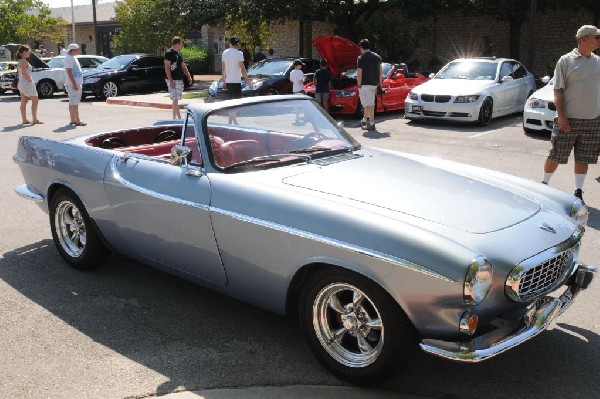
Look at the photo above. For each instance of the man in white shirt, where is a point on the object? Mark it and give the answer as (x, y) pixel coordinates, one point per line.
(232, 67)
(73, 83)
(297, 78)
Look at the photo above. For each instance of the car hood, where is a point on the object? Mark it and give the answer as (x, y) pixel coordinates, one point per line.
(32, 59)
(340, 53)
(454, 87)
(95, 72)
(412, 188)
(546, 93)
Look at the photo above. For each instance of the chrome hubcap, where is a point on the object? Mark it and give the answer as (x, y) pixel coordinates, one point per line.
(348, 325)
(70, 228)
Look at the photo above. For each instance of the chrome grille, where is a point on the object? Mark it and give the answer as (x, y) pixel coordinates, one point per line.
(544, 272)
(543, 277)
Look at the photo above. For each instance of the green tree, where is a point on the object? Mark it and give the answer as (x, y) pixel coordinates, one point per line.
(25, 21)
(255, 31)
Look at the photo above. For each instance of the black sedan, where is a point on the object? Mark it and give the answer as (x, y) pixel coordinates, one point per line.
(268, 77)
(129, 73)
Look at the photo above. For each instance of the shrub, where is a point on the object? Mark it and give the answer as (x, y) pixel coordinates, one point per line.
(199, 59)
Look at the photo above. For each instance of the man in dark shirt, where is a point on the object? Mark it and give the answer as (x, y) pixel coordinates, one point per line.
(258, 55)
(368, 78)
(175, 68)
(323, 78)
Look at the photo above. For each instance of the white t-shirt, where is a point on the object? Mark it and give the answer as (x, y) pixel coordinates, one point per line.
(73, 63)
(297, 78)
(232, 58)
(63, 51)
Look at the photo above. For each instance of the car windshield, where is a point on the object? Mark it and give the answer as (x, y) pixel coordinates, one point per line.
(470, 70)
(274, 133)
(120, 62)
(385, 70)
(270, 68)
(5, 66)
(56, 63)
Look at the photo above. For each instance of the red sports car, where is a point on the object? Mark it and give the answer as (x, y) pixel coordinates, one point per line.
(341, 55)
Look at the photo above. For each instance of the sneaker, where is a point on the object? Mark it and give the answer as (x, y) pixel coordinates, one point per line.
(363, 124)
(579, 194)
(543, 182)
(371, 126)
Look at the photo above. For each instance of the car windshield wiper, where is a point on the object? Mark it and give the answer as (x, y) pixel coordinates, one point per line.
(275, 157)
(309, 150)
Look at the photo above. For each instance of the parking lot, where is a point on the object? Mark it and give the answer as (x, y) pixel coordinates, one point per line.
(129, 331)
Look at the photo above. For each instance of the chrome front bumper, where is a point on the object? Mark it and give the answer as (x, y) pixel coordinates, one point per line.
(539, 316)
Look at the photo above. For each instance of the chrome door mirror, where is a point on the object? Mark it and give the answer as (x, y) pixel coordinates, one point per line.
(507, 79)
(181, 156)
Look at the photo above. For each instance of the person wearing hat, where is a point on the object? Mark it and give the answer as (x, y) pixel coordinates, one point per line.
(577, 97)
(297, 78)
(73, 83)
(175, 68)
(258, 55)
(232, 69)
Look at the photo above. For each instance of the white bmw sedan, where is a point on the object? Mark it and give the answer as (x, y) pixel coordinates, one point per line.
(472, 90)
(539, 110)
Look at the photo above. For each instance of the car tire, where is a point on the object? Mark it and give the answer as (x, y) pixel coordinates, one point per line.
(73, 232)
(109, 89)
(272, 92)
(485, 112)
(359, 354)
(45, 88)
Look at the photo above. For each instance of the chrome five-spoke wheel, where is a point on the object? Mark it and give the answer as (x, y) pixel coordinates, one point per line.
(348, 325)
(70, 228)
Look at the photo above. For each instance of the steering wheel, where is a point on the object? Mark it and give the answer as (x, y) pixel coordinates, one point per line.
(315, 137)
(166, 135)
(113, 142)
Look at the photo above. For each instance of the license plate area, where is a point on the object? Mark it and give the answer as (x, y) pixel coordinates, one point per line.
(416, 108)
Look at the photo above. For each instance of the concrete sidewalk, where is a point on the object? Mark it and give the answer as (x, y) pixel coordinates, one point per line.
(292, 392)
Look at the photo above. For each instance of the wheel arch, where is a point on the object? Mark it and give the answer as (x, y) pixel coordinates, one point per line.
(57, 186)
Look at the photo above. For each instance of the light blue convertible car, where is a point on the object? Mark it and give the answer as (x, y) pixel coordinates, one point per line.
(270, 201)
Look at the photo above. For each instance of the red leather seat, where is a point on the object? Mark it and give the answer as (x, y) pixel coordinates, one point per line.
(239, 151)
(216, 143)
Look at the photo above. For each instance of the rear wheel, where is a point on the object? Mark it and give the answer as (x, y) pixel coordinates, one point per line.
(485, 112)
(73, 232)
(354, 328)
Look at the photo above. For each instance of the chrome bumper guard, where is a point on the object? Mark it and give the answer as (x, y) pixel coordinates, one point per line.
(537, 319)
(25, 192)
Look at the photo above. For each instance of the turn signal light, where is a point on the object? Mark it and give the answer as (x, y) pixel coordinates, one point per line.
(468, 323)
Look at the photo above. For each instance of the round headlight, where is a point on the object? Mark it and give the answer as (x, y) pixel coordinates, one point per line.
(478, 281)
(580, 212)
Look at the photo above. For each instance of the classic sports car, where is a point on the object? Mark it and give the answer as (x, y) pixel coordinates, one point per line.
(539, 110)
(472, 90)
(341, 55)
(270, 201)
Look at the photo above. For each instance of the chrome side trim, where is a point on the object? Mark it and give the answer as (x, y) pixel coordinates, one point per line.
(142, 190)
(25, 192)
(538, 317)
(336, 243)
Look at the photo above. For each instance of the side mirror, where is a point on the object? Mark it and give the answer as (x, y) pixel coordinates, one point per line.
(182, 156)
(546, 79)
(507, 79)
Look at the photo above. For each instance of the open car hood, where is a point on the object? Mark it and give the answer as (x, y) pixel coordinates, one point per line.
(32, 59)
(340, 53)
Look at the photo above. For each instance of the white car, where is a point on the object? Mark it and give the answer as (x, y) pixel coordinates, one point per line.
(85, 60)
(539, 110)
(472, 90)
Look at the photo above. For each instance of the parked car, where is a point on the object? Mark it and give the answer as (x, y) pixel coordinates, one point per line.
(472, 90)
(129, 73)
(48, 80)
(6, 67)
(268, 77)
(539, 110)
(85, 60)
(341, 55)
(373, 250)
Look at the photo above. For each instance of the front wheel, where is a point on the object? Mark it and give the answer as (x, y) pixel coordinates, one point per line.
(485, 112)
(109, 89)
(73, 232)
(45, 88)
(354, 328)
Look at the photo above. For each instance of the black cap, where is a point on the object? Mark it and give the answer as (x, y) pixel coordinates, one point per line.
(298, 62)
(234, 40)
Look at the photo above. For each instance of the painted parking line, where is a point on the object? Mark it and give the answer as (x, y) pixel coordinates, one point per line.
(484, 133)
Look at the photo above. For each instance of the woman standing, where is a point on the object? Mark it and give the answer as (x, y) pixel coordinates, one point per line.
(26, 86)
